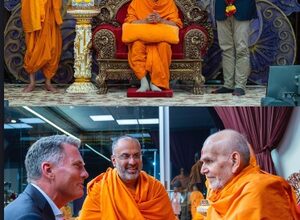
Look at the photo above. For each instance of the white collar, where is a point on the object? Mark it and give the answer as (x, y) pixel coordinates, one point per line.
(58, 214)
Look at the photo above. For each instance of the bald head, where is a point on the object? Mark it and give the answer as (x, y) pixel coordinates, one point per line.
(125, 138)
(228, 141)
(127, 159)
(224, 155)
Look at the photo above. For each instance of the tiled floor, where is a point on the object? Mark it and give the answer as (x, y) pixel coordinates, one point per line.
(117, 97)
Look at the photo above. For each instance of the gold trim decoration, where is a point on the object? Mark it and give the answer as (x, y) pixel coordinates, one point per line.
(196, 41)
(82, 53)
(82, 3)
(105, 41)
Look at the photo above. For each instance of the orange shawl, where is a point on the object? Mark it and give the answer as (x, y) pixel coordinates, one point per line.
(33, 13)
(154, 58)
(195, 199)
(253, 194)
(109, 198)
(41, 20)
(140, 9)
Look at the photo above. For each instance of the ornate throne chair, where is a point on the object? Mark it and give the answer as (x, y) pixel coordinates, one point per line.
(195, 38)
(294, 181)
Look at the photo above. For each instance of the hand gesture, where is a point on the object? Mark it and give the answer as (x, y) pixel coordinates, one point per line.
(153, 18)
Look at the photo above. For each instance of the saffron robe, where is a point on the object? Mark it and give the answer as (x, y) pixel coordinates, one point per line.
(253, 194)
(195, 199)
(154, 58)
(109, 198)
(196, 176)
(41, 21)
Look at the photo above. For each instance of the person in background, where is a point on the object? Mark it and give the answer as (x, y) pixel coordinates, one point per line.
(55, 176)
(195, 175)
(237, 188)
(176, 199)
(195, 198)
(41, 20)
(233, 24)
(126, 192)
(182, 178)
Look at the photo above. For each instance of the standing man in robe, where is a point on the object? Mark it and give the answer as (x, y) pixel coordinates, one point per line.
(196, 176)
(55, 176)
(41, 21)
(233, 24)
(152, 58)
(238, 189)
(126, 192)
(195, 198)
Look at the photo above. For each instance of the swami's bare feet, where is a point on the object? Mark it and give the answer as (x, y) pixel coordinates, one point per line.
(29, 88)
(154, 88)
(144, 85)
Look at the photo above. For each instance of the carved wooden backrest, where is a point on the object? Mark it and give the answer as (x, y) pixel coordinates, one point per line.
(191, 11)
(294, 181)
(196, 36)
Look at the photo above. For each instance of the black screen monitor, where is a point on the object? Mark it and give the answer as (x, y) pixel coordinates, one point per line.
(283, 83)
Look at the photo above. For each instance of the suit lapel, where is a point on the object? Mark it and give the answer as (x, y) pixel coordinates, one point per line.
(41, 202)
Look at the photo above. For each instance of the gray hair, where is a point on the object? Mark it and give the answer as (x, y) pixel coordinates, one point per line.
(48, 149)
(234, 141)
(125, 137)
(239, 143)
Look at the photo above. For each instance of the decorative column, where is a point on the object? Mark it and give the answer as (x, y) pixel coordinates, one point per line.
(83, 11)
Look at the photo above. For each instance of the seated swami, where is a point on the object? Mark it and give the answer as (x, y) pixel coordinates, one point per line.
(152, 59)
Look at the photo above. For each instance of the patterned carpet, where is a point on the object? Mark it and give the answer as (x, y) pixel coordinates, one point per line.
(117, 97)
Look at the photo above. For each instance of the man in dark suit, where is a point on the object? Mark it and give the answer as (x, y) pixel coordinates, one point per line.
(233, 23)
(55, 173)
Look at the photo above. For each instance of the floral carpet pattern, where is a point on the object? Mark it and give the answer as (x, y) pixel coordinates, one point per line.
(117, 97)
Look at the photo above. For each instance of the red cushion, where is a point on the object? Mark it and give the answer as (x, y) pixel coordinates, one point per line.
(122, 49)
(121, 13)
(131, 92)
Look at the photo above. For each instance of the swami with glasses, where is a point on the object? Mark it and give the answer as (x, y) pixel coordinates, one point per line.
(126, 192)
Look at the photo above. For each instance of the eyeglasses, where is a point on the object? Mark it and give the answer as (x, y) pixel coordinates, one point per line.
(137, 156)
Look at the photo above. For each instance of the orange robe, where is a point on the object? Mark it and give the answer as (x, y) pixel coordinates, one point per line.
(195, 199)
(195, 174)
(41, 21)
(154, 58)
(109, 198)
(253, 194)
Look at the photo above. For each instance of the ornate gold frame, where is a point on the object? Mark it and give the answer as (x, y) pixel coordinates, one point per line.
(189, 68)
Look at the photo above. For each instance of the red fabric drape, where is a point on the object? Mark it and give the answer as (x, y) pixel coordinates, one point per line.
(263, 127)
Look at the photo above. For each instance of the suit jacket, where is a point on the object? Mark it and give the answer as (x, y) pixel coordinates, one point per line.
(245, 10)
(29, 205)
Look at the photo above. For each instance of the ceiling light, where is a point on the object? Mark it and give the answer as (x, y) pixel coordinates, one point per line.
(127, 122)
(139, 135)
(6, 126)
(148, 121)
(19, 125)
(62, 130)
(32, 120)
(102, 117)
